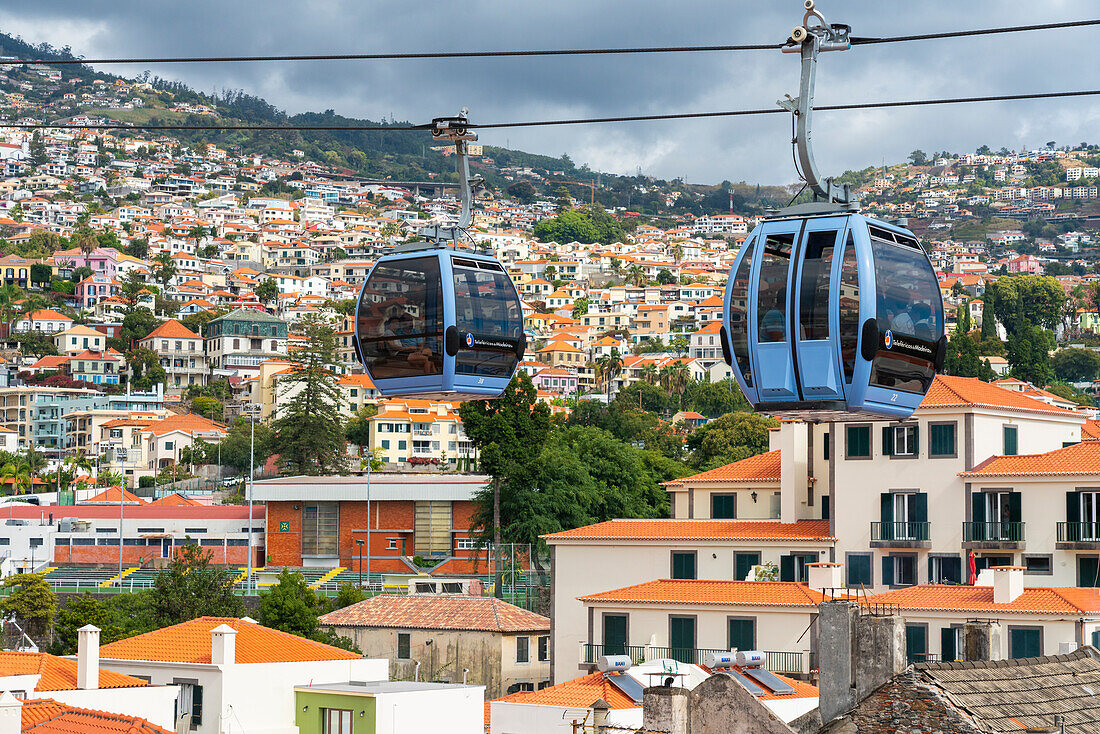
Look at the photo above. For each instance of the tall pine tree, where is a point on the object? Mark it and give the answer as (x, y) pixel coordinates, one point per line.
(309, 430)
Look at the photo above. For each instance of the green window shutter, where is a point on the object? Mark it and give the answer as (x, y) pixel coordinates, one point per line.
(887, 571)
(948, 653)
(1010, 442)
(921, 506)
(1014, 507)
(786, 568)
(977, 506)
(825, 446)
(886, 515)
(887, 440)
(744, 563)
(916, 440)
(859, 570)
(742, 634)
(1073, 507)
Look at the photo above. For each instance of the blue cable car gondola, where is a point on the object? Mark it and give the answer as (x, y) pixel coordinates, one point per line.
(829, 313)
(433, 321)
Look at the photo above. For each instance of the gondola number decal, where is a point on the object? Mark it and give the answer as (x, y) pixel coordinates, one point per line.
(894, 398)
(889, 339)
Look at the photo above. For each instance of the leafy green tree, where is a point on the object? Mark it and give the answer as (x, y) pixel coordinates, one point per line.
(192, 587)
(290, 605)
(665, 277)
(238, 442)
(588, 225)
(207, 407)
(963, 360)
(580, 307)
(146, 368)
(38, 154)
(1020, 301)
(41, 274)
(358, 427)
(1069, 392)
(136, 325)
(138, 247)
(31, 602)
(164, 268)
(346, 595)
(80, 611)
(1029, 354)
(1076, 365)
(989, 323)
(713, 399)
(731, 438)
(35, 343)
(522, 191)
(267, 291)
(918, 158)
(309, 431)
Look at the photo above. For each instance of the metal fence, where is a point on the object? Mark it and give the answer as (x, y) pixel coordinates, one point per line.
(775, 661)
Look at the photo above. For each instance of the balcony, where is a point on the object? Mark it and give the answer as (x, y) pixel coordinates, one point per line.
(901, 534)
(993, 535)
(1078, 536)
(776, 662)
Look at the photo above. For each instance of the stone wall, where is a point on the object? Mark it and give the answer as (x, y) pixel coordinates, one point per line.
(905, 704)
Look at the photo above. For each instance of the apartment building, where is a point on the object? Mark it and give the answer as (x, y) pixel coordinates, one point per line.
(419, 432)
(977, 469)
(78, 339)
(242, 339)
(181, 354)
(40, 416)
(138, 446)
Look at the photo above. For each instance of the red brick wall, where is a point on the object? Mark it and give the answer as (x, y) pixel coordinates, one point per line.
(284, 548)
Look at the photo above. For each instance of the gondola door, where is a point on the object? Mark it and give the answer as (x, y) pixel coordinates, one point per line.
(814, 319)
(769, 320)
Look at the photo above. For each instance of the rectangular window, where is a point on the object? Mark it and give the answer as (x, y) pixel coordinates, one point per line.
(1010, 443)
(904, 441)
(683, 564)
(404, 646)
(859, 570)
(793, 567)
(336, 721)
(916, 642)
(614, 634)
(743, 563)
(951, 645)
(681, 638)
(857, 442)
(723, 506)
(941, 439)
(1025, 642)
(386, 444)
(320, 529)
(1039, 565)
(742, 634)
(944, 570)
(825, 446)
(523, 652)
(402, 445)
(899, 570)
(544, 648)
(772, 291)
(189, 702)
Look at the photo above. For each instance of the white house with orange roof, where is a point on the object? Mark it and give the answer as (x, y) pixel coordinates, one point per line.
(78, 339)
(181, 354)
(409, 432)
(234, 674)
(44, 319)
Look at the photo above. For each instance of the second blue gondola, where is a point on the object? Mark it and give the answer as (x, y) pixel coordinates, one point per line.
(830, 311)
(439, 323)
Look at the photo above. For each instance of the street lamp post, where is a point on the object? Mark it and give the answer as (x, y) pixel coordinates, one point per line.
(360, 544)
(251, 482)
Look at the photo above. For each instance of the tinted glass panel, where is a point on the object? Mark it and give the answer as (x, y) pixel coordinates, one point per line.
(399, 323)
(772, 296)
(738, 311)
(817, 267)
(849, 308)
(910, 318)
(486, 304)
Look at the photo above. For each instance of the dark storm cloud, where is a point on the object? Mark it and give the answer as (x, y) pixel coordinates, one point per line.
(752, 149)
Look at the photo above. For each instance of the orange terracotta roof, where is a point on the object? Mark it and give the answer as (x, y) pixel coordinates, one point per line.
(1080, 458)
(176, 500)
(699, 591)
(46, 716)
(958, 392)
(47, 314)
(185, 422)
(171, 329)
(483, 613)
(58, 674)
(189, 642)
(1091, 430)
(663, 529)
(1033, 600)
(577, 693)
(111, 495)
(760, 468)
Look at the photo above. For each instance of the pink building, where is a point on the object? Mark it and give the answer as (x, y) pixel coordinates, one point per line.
(556, 380)
(1025, 264)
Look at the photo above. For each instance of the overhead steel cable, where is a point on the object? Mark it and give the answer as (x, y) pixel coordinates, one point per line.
(568, 121)
(402, 56)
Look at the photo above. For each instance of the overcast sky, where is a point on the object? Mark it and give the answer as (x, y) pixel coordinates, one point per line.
(703, 151)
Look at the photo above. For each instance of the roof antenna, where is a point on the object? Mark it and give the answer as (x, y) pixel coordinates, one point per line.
(456, 130)
(808, 39)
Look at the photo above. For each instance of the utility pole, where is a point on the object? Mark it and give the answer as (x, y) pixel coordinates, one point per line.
(251, 482)
(369, 470)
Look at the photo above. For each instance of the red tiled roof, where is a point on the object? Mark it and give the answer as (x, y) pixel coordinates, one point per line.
(1034, 600)
(482, 613)
(189, 642)
(58, 674)
(957, 392)
(813, 530)
(46, 716)
(176, 499)
(701, 591)
(1080, 458)
(760, 468)
(171, 329)
(111, 494)
(1091, 430)
(577, 693)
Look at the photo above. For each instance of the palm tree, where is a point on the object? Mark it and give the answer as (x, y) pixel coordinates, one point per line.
(608, 367)
(635, 275)
(9, 294)
(678, 378)
(109, 479)
(35, 461)
(649, 373)
(677, 251)
(85, 239)
(18, 473)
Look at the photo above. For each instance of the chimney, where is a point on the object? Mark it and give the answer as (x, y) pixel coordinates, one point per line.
(600, 711)
(981, 641)
(1008, 584)
(826, 575)
(87, 658)
(223, 645)
(793, 469)
(11, 714)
